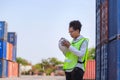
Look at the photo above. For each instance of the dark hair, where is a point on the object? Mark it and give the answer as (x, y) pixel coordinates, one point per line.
(75, 25)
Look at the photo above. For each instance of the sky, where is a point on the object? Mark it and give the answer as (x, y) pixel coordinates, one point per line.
(40, 24)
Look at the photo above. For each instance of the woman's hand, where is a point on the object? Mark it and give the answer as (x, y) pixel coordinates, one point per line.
(66, 43)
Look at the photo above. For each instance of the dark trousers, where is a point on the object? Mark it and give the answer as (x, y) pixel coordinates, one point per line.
(76, 74)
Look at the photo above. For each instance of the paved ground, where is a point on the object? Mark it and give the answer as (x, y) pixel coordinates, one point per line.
(36, 78)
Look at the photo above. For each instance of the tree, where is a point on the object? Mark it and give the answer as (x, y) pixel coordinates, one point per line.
(22, 61)
(47, 65)
(54, 61)
(91, 54)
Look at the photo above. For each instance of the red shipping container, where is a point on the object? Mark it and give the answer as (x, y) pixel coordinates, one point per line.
(90, 70)
(15, 69)
(10, 69)
(9, 51)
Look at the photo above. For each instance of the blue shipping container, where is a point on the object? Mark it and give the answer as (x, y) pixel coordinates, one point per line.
(3, 68)
(98, 63)
(103, 1)
(3, 30)
(97, 4)
(114, 60)
(114, 18)
(3, 49)
(12, 38)
(98, 27)
(14, 53)
(104, 61)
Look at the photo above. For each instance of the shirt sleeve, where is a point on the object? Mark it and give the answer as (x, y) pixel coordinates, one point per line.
(82, 50)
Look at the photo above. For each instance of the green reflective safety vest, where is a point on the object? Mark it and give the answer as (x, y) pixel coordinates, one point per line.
(71, 59)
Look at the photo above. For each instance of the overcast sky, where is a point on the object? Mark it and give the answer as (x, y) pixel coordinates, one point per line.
(40, 24)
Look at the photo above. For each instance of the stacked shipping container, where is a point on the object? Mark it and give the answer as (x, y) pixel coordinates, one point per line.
(12, 39)
(8, 64)
(107, 40)
(12, 44)
(101, 39)
(3, 49)
(114, 40)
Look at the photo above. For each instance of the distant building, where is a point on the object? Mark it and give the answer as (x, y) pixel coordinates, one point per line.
(59, 71)
(25, 68)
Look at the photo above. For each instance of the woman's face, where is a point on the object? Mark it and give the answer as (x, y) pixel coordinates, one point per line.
(73, 33)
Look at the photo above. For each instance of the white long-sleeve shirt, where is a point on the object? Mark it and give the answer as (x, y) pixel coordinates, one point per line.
(80, 53)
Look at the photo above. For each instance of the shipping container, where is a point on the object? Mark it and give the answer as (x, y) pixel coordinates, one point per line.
(16, 68)
(104, 22)
(98, 27)
(14, 55)
(98, 62)
(109, 40)
(9, 51)
(3, 49)
(13, 69)
(10, 69)
(103, 1)
(3, 68)
(114, 18)
(12, 38)
(114, 60)
(104, 62)
(3, 30)
(90, 70)
(97, 4)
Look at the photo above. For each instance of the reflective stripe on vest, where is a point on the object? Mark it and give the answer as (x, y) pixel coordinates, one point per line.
(71, 59)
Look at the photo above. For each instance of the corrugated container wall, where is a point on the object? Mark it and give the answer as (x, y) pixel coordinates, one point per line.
(108, 40)
(98, 61)
(90, 70)
(97, 4)
(14, 55)
(9, 51)
(3, 68)
(114, 19)
(13, 69)
(3, 30)
(114, 60)
(104, 22)
(3, 49)
(104, 61)
(114, 37)
(114, 40)
(10, 69)
(98, 28)
(101, 39)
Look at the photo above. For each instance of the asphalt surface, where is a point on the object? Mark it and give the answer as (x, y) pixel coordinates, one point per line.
(36, 78)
